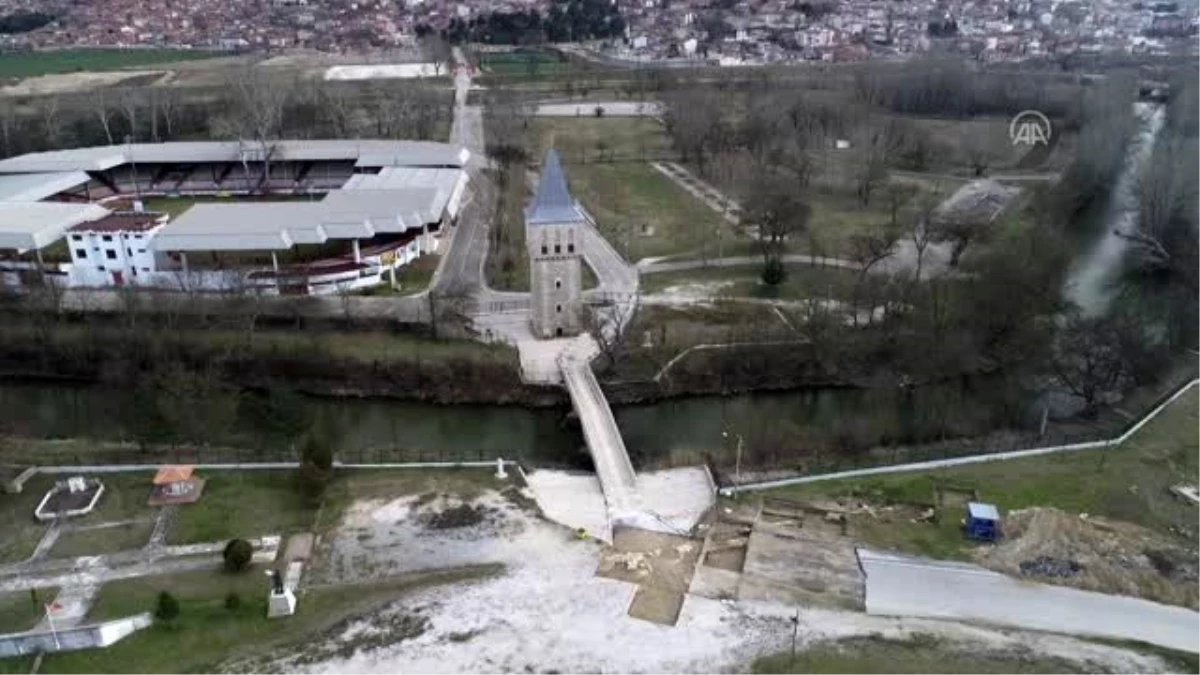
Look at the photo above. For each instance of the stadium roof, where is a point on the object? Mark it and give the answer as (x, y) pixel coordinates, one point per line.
(365, 153)
(553, 202)
(33, 225)
(343, 214)
(32, 187)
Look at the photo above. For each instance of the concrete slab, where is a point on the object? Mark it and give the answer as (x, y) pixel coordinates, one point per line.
(677, 497)
(299, 547)
(783, 561)
(715, 583)
(572, 499)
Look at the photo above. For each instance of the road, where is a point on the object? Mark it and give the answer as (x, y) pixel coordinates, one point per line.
(900, 585)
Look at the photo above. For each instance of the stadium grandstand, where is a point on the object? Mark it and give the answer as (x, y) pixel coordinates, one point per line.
(297, 217)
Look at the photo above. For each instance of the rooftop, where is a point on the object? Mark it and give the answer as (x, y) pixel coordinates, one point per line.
(123, 221)
(368, 154)
(553, 202)
(34, 225)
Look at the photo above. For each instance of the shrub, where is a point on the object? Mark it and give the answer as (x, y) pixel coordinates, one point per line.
(774, 273)
(318, 453)
(167, 607)
(238, 553)
(313, 480)
(233, 601)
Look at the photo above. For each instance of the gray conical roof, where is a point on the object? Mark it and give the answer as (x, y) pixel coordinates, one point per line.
(553, 202)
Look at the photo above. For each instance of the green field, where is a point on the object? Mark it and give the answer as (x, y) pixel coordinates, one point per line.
(31, 64)
(207, 633)
(642, 213)
(524, 63)
(922, 654)
(20, 611)
(586, 139)
(1129, 483)
(245, 504)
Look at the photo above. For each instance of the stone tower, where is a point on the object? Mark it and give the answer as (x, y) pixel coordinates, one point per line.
(553, 232)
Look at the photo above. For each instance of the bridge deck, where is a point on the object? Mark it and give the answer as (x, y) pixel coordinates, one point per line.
(613, 468)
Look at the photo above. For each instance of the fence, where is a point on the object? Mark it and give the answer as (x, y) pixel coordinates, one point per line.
(128, 455)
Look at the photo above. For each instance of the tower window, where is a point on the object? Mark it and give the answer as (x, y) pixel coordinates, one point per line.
(558, 309)
(558, 248)
(558, 283)
(80, 253)
(570, 248)
(545, 250)
(111, 254)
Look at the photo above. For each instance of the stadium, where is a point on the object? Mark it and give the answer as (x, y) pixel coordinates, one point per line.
(288, 217)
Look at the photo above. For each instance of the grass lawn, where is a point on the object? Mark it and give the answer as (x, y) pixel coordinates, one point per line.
(21, 531)
(524, 63)
(923, 654)
(30, 64)
(175, 206)
(410, 279)
(19, 611)
(124, 498)
(803, 281)
(642, 213)
(245, 504)
(1129, 483)
(587, 139)
(206, 634)
(98, 541)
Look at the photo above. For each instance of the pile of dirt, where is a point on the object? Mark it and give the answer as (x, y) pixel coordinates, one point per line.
(1095, 554)
(463, 515)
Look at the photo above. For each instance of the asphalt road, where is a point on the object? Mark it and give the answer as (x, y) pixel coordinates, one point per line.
(900, 585)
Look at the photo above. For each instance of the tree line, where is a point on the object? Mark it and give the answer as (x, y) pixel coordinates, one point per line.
(566, 21)
(253, 104)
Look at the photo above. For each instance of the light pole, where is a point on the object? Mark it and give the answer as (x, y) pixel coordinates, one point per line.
(137, 192)
(737, 461)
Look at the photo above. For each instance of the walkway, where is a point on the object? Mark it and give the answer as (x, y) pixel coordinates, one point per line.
(899, 585)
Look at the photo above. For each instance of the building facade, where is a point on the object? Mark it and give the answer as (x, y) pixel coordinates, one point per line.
(554, 225)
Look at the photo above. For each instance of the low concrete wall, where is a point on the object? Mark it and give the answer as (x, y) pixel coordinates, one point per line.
(80, 637)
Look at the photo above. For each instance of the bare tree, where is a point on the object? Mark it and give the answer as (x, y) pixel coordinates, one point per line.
(130, 102)
(606, 322)
(776, 210)
(436, 50)
(1087, 358)
(868, 250)
(103, 113)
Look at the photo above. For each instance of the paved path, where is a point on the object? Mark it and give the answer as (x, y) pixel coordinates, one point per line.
(659, 267)
(71, 605)
(588, 109)
(907, 586)
(729, 209)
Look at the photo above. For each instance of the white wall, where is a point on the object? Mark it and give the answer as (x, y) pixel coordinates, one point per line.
(95, 256)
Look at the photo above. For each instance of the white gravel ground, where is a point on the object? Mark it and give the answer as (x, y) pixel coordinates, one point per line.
(548, 610)
(383, 71)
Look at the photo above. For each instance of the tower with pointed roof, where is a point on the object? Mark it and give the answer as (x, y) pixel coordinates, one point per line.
(554, 224)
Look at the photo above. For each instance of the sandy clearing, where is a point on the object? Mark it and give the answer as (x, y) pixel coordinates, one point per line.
(383, 71)
(64, 82)
(549, 611)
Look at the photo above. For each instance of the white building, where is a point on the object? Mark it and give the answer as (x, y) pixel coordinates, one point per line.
(114, 250)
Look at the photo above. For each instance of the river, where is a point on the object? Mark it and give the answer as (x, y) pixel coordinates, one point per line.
(1090, 284)
(672, 432)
